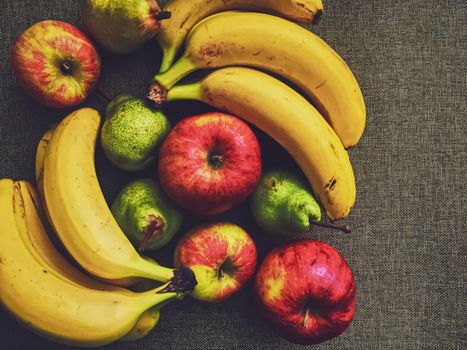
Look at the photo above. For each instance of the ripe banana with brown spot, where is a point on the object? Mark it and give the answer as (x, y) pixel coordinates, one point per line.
(52, 304)
(277, 45)
(288, 118)
(78, 210)
(185, 14)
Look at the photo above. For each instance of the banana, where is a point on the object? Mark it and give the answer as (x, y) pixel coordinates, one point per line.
(289, 119)
(146, 323)
(78, 211)
(40, 157)
(45, 301)
(42, 249)
(282, 47)
(185, 14)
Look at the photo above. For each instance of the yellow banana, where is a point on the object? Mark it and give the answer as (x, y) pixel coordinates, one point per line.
(288, 118)
(40, 156)
(146, 323)
(41, 242)
(48, 303)
(282, 47)
(185, 14)
(78, 210)
(36, 238)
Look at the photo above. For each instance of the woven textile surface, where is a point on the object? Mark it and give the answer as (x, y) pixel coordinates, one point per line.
(408, 249)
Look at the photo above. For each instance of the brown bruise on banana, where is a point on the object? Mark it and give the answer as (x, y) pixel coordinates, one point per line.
(211, 50)
(331, 184)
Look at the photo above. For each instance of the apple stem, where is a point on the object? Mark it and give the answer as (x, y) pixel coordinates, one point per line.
(163, 15)
(216, 160)
(343, 228)
(67, 67)
(154, 229)
(305, 318)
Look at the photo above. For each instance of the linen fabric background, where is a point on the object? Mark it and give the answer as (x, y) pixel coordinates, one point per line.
(409, 241)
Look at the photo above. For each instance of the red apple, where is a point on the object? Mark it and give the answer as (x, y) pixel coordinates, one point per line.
(306, 292)
(210, 163)
(56, 64)
(222, 256)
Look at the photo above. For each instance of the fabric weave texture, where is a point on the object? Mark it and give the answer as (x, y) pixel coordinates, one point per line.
(408, 249)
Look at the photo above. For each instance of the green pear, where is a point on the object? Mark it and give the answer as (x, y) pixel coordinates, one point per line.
(121, 26)
(131, 132)
(283, 204)
(146, 215)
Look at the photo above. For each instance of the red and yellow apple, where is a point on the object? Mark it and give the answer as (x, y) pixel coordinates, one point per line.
(306, 292)
(210, 163)
(56, 64)
(222, 256)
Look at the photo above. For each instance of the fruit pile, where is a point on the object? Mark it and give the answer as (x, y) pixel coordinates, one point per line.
(95, 287)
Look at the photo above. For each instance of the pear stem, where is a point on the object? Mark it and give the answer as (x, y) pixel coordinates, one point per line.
(343, 228)
(163, 15)
(154, 228)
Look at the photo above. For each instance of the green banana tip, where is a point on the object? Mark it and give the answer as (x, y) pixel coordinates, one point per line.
(184, 280)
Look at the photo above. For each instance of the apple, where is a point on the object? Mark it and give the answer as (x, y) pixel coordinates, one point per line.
(210, 163)
(56, 64)
(306, 292)
(222, 256)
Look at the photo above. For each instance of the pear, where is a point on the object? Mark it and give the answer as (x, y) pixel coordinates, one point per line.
(146, 215)
(131, 132)
(121, 26)
(283, 204)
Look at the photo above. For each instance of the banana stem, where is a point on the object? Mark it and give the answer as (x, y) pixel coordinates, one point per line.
(156, 272)
(168, 57)
(177, 72)
(343, 228)
(186, 92)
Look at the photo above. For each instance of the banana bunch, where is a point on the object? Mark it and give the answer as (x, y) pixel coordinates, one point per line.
(47, 294)
(282, 47)
(277, 45)
(73, 307)
(185, 15)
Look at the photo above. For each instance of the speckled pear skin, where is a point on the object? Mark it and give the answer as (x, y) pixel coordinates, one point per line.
(120, 26)
(131, 132)
(137, 202)
(283, 204)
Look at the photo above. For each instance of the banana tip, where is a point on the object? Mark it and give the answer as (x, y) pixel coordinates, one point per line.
(317, 17)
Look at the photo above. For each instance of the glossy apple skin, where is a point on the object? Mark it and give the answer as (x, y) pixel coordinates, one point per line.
(187, 174)
(37, 59)
(206, 249)
(306, 274)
